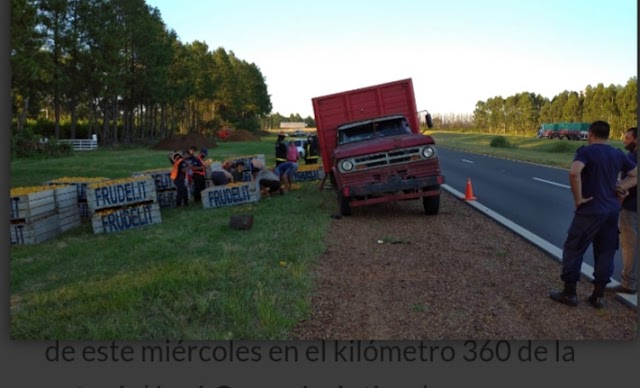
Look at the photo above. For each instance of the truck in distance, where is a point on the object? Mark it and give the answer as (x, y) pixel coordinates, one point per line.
(372, 149)
(570, 131)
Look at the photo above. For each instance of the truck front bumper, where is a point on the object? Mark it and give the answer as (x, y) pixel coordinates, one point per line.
(392, 190)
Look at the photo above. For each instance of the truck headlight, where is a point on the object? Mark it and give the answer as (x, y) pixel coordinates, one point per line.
(428, 152)
(346, 165)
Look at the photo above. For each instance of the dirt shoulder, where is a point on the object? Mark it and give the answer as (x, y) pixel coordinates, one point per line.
(390, 272)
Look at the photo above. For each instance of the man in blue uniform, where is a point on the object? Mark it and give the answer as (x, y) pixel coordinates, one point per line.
(594, 180)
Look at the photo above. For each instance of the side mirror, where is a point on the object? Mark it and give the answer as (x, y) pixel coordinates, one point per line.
(429, 120)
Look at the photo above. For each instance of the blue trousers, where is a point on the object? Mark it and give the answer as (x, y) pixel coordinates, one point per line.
(601, 230)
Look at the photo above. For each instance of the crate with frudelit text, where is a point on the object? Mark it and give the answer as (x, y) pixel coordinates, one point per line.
(231, 194)
(309, 172)
(123, 204)
(80, 184)
(165, 188)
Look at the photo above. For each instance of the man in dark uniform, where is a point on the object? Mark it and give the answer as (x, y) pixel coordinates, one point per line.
(593, 177)
(199, 171)
(311, 150)
(281, 149)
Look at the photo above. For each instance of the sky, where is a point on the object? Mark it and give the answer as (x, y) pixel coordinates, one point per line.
(457, 52)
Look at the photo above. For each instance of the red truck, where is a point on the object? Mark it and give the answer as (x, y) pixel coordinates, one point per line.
(372, 149)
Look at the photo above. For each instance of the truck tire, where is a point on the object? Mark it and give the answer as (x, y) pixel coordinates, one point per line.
(431, 205)
(343, 205)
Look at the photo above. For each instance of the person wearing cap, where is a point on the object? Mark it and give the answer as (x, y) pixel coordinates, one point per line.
(281, 149)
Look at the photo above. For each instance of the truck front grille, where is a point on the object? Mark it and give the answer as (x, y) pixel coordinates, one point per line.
(386, 158)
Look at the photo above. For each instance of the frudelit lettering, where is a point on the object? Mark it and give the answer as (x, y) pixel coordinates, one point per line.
(127, 219)
(119, 194)
(229, 196)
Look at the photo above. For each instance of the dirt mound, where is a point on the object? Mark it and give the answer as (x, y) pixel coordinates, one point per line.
(183, 142)
(242, 135)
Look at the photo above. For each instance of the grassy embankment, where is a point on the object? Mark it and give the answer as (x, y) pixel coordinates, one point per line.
(558, 153)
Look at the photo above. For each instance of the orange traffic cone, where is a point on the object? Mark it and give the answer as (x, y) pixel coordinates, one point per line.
(469, 194)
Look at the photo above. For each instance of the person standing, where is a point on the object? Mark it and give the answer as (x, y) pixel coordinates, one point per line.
(629, 224)
(281, 149)
(179, 178)
(311, 150)
(292, 152)
(593, 177)
(199, 171)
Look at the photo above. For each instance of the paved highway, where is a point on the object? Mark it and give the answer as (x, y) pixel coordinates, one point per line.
(538, 198)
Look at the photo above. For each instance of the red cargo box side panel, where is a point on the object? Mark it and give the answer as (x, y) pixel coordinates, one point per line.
(361, 104)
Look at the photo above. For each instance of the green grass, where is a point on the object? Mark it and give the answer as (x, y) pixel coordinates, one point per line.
(189, 277)
(558, 153)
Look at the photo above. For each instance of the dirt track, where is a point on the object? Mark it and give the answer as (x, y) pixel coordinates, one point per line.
(458, 275)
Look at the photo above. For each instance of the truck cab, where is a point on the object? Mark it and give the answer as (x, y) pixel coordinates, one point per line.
(380, 156)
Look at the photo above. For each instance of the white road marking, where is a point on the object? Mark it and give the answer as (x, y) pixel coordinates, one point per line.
(552, 250)
(551, 183)
(468, 161)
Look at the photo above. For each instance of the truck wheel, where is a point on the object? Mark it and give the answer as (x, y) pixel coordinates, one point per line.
(431, 204)
(343, 205)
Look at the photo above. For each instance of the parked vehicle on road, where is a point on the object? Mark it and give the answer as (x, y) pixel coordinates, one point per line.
(372, 149)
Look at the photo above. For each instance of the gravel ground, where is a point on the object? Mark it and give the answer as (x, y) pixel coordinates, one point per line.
(392, 273)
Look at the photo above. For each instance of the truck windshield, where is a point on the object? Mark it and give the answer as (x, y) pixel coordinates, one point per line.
(370, 129)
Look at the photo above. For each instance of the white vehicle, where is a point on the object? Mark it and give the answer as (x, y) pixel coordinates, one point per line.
(300, 146)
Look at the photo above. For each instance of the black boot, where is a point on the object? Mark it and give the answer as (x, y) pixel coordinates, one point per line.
(567, 296)
(597, 297)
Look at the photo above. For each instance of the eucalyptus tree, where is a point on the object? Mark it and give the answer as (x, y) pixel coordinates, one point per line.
(572, 109)
(481, 116)
(627, 102)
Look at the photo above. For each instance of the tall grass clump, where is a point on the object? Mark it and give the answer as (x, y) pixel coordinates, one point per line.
(501, 142)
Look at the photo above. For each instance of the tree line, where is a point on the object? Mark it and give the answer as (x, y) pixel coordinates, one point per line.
(112, 67)
(522, 113)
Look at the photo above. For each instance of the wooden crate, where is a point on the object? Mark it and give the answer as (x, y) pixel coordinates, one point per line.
(161, 178)
(67, 206)
(80, 184)
(36, 231)
(126, 218)
(32, 206)
(166, 198)
(230, 195)
(121, 192)
(309, 172)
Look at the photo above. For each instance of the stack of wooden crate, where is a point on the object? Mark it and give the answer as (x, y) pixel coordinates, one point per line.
(165, 189)
(39, 213)
(123, 204)
(80, 183)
